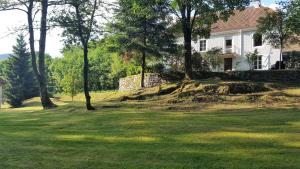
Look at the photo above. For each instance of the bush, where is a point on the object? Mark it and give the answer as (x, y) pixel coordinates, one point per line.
(157, 68)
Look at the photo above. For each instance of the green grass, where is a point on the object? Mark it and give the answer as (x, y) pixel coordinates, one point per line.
(150, 135)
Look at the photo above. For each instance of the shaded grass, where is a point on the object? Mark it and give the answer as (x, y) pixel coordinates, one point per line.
(150, 135)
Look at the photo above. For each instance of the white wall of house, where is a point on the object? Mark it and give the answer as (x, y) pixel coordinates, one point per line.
(242, 43)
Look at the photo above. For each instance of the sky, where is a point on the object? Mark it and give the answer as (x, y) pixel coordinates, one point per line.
(12, 20)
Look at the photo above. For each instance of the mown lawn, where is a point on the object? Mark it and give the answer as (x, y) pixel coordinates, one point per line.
(132, 135)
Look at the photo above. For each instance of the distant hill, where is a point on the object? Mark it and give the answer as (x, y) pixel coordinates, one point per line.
(4, 56)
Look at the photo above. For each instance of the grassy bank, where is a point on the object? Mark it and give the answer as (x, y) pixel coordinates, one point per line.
(151, 134)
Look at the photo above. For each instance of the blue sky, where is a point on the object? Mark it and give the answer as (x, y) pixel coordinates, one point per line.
(268, 2)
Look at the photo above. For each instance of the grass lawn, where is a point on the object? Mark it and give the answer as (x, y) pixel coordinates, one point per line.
(150, 135)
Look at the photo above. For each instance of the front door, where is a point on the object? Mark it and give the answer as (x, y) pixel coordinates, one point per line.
(227, 64)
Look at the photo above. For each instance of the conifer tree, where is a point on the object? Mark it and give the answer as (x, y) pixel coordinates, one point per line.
(32, 8)
(143, 27)
(19, 75)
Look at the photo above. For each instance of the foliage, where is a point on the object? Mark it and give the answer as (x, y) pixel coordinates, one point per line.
(67, 72)
(198, 62)
(292, 60)
(157, 68)
(293, 8)
(143, 28)
(174, 60)
(196, 18)
(32, 8)
(213, 58)
(2, 67)
(78, 18)
(277, 25)
(18, 73)
(251, 58)
(281, 26)
(106, 68)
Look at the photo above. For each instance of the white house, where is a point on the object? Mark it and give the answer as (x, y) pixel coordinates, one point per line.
(236, 38)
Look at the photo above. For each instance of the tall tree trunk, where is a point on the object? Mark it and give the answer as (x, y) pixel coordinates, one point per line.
(85, 43)
(86, 79)
(186, 22)
(144, 55)
(143, 69)
(32, 39)
(46, 101)
(40, 71)
(187, 49)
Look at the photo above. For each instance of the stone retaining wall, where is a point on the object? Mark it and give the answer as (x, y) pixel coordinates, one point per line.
(261, 76)
(254, 76)
(134, 82)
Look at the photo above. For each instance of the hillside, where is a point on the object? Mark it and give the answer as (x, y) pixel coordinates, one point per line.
(4, 56)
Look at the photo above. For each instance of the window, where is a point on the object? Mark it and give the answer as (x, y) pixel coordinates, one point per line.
(257, 40)
(228, 45)
(258, 63)
(202, 45)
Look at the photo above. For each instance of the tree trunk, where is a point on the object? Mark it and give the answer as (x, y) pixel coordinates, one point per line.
(85, 43)
(39, 71)
(187, 49)
(32, 39)
(144, 53)
(143, 69)
(46, 101)
(186, 22)
(86, 80)
(280, 56)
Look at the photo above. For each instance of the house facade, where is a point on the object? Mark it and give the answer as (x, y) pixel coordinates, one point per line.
(237, 37)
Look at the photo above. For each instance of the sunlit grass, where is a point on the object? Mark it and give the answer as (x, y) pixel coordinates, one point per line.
(150, 134)
(293, 92)
(97, 96)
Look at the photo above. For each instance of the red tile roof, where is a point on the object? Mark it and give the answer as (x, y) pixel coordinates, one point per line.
(241, 20)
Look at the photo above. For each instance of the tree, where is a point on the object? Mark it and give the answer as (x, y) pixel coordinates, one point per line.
(251, 58)
(196, 18)
(79, 20)
(106, 67)
(279, 27)
(174, 60)
(19, 75)
(31, 8)
(70, 83)
(66, 72)
(293, 7)
(143, 28)
(213, 58)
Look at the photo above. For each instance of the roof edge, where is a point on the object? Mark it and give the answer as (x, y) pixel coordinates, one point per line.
(233, 31)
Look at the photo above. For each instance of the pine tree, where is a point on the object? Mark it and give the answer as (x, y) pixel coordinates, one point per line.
(143, 27)
(19, 75)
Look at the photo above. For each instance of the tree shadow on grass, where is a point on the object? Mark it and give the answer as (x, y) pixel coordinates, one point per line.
(130, 135)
